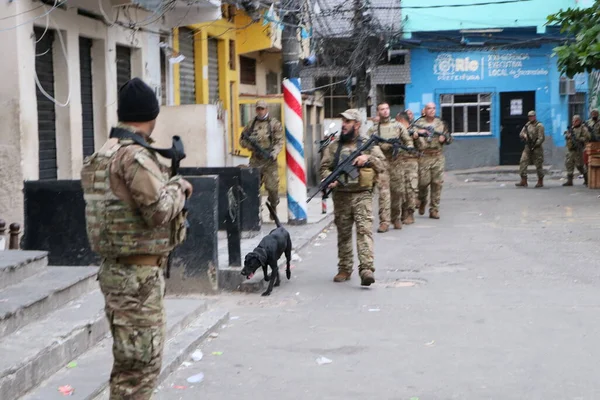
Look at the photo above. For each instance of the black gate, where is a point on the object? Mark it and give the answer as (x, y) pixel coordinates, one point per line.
(46, 113)
(514, 107)
(87, 97)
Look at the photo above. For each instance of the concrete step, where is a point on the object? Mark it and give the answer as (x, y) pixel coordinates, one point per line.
(18, 265)
(43, 347)
(187, 326)
(38, 295)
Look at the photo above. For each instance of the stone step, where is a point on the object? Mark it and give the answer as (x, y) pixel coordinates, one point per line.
(43, 347)
(38, 295)
(187, 326)
(18, 265)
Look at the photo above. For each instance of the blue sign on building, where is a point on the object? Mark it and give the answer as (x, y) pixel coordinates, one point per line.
(484, 96)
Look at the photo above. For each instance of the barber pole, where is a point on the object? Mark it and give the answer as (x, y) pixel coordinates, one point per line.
(294, 152)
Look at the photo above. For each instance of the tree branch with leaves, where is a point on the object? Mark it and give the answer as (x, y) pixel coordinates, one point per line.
(581, 51)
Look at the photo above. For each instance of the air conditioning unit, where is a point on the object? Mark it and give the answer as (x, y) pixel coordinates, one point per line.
(566, 86)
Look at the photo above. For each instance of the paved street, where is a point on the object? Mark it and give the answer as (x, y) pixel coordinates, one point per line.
(497, 300)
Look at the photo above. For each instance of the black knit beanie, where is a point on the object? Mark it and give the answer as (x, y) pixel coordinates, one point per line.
(137, 102)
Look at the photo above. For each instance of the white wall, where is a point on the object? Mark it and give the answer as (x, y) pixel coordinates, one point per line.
(18, 105)
(202, 133)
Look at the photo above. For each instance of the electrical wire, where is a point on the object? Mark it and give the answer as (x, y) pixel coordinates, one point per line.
(64, 50)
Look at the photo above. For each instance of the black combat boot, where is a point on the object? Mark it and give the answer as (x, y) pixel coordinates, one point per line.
(569, 181)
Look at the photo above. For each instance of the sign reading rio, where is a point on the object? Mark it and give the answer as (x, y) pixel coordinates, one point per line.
(450, 68)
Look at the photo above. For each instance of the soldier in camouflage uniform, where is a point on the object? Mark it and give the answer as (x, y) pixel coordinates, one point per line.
(267, 133)
(534, 136)
(593, 125)
(353, 202)
(391, 181)
(433, 161)
(134, 219)
(410, 169)
(577, 137)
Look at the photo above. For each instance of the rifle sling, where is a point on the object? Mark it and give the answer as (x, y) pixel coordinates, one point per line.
(120, 133)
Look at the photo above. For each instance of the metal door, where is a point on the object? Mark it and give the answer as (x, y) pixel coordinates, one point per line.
(187, 70)
(123, 65)
(46, 113)
(514, 107)
(87, 97)
(213, 70)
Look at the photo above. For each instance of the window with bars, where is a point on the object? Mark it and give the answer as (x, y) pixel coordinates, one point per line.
(577, 105)
(335, 96)
(467, 114)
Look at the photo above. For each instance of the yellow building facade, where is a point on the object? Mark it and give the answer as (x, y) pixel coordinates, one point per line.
(216, 52)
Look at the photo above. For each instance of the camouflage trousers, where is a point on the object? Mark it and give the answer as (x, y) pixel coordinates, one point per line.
(431, 174)
(390, 185)
(574, 159)
(135, 311)
(535, 156)
(354, 208)
(269, 176)
(410, 170)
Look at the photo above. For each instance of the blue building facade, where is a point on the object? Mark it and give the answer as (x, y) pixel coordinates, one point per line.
(484, 97)
(484, 72)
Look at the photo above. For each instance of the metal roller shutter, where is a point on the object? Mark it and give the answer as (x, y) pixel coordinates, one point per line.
(46, 113)
(87, 98)
(123, 65)
(213, 70)
(187, 72)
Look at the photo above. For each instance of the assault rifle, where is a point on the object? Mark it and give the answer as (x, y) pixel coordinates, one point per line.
(570, 136)
(176, 153)
(326, 141)
(397, 145)
(431, 133)
(264, 153)
(345, 167)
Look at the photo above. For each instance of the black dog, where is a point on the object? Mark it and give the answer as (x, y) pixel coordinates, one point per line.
(268, 252)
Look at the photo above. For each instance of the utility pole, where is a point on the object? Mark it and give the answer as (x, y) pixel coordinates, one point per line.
(360, 20)
(292, 112)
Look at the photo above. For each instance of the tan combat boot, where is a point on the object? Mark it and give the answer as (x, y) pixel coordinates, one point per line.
(569, 181)
(398, 224)
(342, 276)
(422, 208)
(403, 216)
(540, 183)
(383, 227)
(367, 277)
(410, 219)
(434, 214)
(523, 182)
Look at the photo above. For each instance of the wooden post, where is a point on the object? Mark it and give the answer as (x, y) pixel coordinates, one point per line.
(13, 243)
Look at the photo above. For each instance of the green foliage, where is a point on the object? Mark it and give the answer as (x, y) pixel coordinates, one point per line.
(581, 53)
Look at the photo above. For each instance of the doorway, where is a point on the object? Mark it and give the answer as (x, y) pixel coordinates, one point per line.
(514, 107)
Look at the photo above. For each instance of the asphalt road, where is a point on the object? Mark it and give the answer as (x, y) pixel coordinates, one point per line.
(497, 300)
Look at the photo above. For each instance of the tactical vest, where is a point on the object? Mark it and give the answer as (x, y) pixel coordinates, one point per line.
(114, 228)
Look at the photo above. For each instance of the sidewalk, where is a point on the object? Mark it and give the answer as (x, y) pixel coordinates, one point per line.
(504, 173)
(230, 277)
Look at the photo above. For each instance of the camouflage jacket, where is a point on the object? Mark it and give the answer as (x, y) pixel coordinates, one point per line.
(432, 143)
(577, 137)
(594, 128)
(376, 161)
(534, 133)
(130, 201)
(391, 130)
(268, 134)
